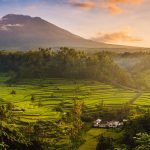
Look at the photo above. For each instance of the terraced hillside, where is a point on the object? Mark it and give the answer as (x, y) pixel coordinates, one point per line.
(38, 99)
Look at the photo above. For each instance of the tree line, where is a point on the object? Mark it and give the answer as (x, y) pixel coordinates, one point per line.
(64, 63)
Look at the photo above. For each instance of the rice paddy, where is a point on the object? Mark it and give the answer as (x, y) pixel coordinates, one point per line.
(36, 99)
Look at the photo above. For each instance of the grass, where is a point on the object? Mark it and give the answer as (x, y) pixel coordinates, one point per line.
(92, 135)
(91, 138)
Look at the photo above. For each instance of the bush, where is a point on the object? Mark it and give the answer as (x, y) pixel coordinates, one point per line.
(105, 143)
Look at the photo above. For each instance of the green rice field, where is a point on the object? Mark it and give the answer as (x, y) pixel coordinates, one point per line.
(143, 100)
(36, 99)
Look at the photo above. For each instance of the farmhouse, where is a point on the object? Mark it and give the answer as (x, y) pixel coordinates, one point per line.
(107, 124)
(114, 124)
(97, 122)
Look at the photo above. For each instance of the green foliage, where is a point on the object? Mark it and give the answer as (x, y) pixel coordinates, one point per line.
(9, 133)
(143, 141)
(133, 127)
(32, 98)
(105, 143)
(67, 63)
(13, 92)
(75, 131)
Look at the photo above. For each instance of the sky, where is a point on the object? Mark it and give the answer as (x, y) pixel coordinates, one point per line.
(125, 22)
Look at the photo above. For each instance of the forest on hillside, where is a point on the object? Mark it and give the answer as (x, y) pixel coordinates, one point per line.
(64, 63)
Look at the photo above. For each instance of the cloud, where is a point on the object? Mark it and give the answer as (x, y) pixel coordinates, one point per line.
(114, 9)
(6, 27)
(118, 36)
(114, 6)
(87, 5)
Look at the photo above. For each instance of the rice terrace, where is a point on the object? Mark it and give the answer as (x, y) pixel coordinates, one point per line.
(49, 93)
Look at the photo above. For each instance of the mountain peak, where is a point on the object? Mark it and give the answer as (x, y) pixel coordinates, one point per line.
(19, 17)
(8, 16)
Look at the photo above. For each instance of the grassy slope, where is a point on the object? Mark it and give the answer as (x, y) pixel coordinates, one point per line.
(91, 139)
(92, 135)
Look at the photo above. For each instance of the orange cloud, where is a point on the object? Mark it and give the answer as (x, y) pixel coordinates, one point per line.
(115, 5)
(118, 36)
(113, 8)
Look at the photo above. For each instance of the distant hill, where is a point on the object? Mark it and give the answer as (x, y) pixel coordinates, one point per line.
(25, 32)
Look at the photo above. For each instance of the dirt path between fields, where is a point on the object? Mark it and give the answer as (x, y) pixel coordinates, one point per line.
(135, 98)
